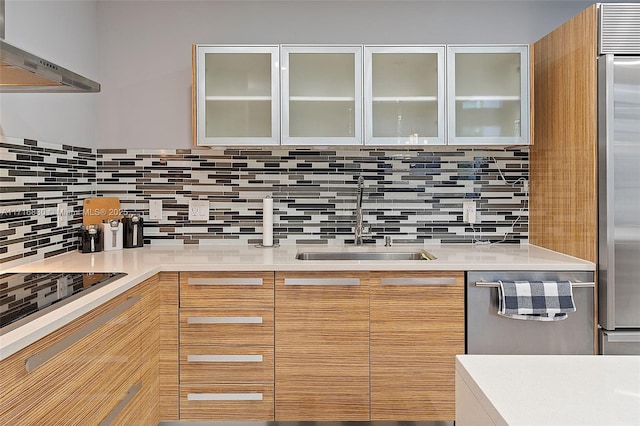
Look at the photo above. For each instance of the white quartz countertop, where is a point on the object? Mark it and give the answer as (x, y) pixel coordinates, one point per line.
(144, 262)
(564, 390)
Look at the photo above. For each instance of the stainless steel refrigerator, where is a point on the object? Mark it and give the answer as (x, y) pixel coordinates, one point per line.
(619, 199)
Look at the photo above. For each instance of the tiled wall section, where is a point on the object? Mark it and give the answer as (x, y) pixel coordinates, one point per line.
(34, 178)
(410, 195)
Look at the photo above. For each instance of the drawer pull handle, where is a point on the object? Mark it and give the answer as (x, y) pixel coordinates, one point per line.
(322, 281)
(224, 281)
(224, 358)
(224, 396)
(133, 390)
(224, 320)
(41, 358)
(418, 281)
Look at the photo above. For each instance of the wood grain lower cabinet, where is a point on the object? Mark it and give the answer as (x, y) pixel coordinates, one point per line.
(226, 346)
(322, 346)
(417, 328)
(81, 373)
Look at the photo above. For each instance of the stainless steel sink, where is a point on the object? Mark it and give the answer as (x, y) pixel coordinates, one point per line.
(364, 255)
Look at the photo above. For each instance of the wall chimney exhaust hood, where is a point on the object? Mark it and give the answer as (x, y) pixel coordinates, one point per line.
(21, 71)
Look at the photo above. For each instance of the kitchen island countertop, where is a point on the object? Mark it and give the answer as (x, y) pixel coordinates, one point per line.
(546, 390)
(142, 263)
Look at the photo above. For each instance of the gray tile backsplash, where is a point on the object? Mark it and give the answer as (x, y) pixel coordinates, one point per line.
(412, 195)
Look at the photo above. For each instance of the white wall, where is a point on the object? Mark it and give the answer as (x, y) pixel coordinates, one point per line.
(63, 32)
(145, 46)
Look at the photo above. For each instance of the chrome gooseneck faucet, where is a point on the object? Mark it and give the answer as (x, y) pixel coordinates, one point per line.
(359, 221)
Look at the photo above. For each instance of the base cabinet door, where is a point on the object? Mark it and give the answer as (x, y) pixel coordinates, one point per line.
(82, 373)
(417, 328)
(322, 346)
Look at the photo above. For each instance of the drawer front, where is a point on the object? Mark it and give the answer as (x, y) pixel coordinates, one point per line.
(226, 326)
(226, 289)
(235, 402)
(238, 364)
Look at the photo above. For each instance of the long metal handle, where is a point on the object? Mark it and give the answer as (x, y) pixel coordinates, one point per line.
(133, 390)
(622, 337)
(224, 320)
(40, 358)
(224, 358)
(322, 281)
(224, 281)
(495, 284)
(257, 396)
(418, 281)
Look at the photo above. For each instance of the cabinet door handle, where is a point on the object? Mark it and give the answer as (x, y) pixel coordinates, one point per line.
(224, 358)
(224, 320)
(133, 390)
(419, 281)
(40, 358)
(322, 281)
(224, 281)
(257, 396)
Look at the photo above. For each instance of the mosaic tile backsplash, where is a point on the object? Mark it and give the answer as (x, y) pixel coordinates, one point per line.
(35, 177)
(411, 195)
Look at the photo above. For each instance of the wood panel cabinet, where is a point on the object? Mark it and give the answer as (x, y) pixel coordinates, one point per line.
(417, 328)
(322, 346)
(226, 346)
(85, 371)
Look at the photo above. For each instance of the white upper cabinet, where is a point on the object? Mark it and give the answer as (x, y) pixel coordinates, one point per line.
(488, 95)
(237, 95)
(404, 89)
(321, 95)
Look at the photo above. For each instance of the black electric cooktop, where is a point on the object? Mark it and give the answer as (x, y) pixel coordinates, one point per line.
(25, 296)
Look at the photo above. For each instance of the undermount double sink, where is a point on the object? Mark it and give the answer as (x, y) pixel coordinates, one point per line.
(395, 255)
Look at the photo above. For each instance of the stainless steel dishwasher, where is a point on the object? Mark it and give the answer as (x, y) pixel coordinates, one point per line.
(489, 333)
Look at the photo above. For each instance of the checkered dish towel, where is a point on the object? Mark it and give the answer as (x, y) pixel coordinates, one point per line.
(535, 300)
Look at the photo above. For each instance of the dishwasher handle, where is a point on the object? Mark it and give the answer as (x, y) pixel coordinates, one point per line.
(496, 284)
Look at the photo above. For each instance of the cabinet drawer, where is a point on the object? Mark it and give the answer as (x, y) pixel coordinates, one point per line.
(237, 364)
(226, 326)
(226, 289)
(226, 402)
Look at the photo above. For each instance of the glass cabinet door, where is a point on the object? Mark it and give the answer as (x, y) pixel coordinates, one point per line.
(237, 95)
(488, 95)
(404, 95)
(321, 95)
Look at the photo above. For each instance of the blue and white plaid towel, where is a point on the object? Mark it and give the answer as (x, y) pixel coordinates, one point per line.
(535, 300)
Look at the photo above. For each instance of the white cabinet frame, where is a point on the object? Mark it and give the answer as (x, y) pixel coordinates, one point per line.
(453, 138)
(201, 97)
(370, 139)
(356, 138)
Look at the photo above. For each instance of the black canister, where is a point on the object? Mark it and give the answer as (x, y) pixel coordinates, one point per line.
(133, 235)
(90, 239)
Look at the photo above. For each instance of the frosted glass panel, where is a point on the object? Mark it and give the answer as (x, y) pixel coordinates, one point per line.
(488, 118)
(321, 119)
(405, 74)
(488, 95)
(322, 74)
(238, 74)
(483, 74)
(238, 119)
(402, 119)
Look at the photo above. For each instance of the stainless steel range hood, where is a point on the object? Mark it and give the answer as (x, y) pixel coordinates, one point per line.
(21, 71)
